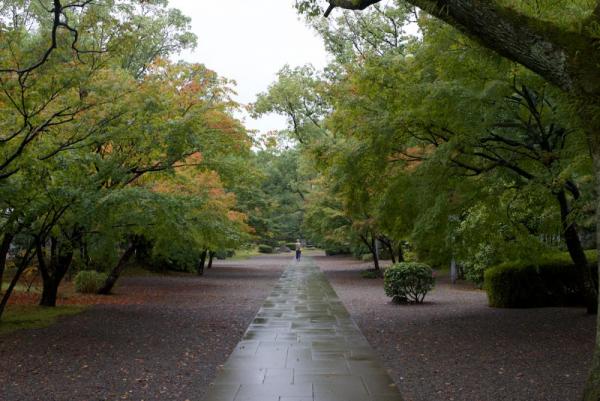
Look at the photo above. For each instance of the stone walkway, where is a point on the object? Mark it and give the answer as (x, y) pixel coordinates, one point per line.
(303, 346)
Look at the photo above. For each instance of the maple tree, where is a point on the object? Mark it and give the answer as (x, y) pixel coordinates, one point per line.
(111, 148)
(557, 41)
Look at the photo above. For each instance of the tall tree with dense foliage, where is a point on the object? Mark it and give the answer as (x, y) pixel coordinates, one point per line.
(112, 148)
(557, 42)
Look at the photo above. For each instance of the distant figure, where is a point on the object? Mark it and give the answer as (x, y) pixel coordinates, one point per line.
(298, 250)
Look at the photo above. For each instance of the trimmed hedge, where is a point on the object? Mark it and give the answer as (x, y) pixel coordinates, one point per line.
(333, 251)
(550, 282)
(89, 281)
(408, 282)
(265, 249)
(513, 286)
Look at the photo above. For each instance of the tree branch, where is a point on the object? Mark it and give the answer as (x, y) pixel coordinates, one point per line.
(552, 52)
(349, 5)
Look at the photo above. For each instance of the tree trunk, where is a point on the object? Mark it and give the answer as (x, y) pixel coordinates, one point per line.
(211, 256)
(372, 248)
(53, 272)
(375, 253)
(22, 266)
(115, 273)
(566, 58)
(4, 248)
(49, 292)
(591, 118)
(400, 252)
(388, 244)
(573, 242)
(200, 267)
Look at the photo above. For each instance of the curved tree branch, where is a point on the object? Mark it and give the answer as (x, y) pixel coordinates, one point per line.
(553, 52)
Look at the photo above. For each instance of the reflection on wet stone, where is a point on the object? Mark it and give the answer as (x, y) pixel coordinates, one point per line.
(303, 346)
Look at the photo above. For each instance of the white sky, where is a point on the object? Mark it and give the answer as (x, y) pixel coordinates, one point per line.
(249, 41)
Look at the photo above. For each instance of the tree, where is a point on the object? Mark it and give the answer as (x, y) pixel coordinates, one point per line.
(296, 95)
(561, 50)
(131, 114)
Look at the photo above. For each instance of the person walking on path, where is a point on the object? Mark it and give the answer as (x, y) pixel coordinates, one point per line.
(298, 250)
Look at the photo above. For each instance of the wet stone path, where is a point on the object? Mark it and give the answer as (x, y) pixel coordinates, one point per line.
(303, 346)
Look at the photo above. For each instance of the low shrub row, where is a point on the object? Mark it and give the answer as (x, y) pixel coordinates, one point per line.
(265, 248)
(224, 254)
(333, 251)
(550, 282)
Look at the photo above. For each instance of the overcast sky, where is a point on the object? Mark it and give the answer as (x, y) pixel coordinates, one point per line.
(249, 41)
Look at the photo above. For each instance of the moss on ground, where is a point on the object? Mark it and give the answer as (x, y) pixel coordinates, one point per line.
(20, 317)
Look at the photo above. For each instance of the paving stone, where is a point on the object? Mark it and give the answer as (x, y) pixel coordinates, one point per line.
(303, 346)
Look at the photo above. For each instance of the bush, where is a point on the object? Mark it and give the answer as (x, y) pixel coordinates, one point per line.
(163, 263)
(89, 281)
(291, 245)
(265, 249)
(510, 286)
(366, 257)
(333, 251)
(408, 282)
(223, 254)
(552, 281)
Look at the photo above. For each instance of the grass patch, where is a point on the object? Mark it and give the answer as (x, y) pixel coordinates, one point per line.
(371, 273)
(20, 317)
(241, 254)
(21, 287)
(312, 252)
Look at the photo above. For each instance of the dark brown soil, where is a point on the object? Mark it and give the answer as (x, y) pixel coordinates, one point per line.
(455, 347)
(165, 345)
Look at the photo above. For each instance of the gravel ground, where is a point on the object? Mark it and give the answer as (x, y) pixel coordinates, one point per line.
(164, 337)
(167, 347)
(455, 347)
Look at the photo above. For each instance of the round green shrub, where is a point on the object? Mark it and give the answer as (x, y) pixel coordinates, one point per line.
(89, 281)
(265, 249)
(408, 282)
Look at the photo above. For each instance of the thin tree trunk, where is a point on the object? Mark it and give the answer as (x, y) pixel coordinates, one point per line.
(388, 244)
(575, 248)
(200, 267)
(591, 118)
(115, 273)
(22, 266)
(400, 252)
(211, 256)
(371, 246)
(4, 248)
(375, 253)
